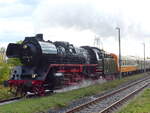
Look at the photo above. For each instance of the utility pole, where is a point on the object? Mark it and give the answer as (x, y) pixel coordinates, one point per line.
(98, 43)
(120, 75)
(144, 57)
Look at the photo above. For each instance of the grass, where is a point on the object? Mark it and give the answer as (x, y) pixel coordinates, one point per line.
(58, 100)
(140, 104)
(4, 93)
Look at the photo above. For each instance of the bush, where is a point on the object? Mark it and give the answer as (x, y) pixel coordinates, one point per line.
(4, 72)
(5, 68)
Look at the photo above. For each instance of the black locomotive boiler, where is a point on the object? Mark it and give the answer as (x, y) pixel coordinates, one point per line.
(48, 65)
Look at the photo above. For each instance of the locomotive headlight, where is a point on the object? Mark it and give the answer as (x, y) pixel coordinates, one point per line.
(34, 75)
(25, 46)
(58, 74)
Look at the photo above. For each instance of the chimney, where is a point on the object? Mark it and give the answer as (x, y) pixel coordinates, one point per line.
(39, 37)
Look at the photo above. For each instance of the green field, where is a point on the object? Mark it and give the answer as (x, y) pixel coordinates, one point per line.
(141, 104)
(58, 100)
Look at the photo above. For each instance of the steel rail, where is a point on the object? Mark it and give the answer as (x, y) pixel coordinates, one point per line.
(106, 110)
(9, 100)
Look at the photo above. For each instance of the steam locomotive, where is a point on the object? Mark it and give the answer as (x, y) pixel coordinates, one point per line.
(48, 65)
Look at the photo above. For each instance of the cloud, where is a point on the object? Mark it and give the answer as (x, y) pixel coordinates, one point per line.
(101, 17)
(15, 20)
(16, 25)
(14, 30)
(84, 37)
(76, 14)
(7, 1)
(15, 10)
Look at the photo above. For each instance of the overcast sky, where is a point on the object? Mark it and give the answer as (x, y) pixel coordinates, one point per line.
(78, 22)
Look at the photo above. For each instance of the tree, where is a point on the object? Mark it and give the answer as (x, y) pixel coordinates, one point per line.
(4, 72)
(2, 54)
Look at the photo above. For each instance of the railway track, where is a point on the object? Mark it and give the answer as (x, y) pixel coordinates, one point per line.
(14, 99)
(10, 100)
(111, 101)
